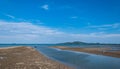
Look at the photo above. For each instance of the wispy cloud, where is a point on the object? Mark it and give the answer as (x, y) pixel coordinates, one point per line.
(105, 26)
(26, 32)
(115, 25)
(45, 7)
(10, 16)
(74, 17)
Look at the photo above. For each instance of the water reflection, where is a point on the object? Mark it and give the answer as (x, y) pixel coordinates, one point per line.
(81, 60)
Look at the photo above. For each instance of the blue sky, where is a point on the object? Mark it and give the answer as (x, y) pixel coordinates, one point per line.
(54, 21)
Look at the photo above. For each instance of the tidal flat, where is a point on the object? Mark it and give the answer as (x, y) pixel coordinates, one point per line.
(24, 57)
(106, 51)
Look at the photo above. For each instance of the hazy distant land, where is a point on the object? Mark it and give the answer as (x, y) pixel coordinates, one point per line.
(85, 43)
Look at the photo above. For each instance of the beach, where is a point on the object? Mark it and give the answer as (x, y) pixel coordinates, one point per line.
(27, 58)
(98, 51)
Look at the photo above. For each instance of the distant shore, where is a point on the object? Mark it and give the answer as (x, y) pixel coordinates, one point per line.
(97, 51)
(26, 58)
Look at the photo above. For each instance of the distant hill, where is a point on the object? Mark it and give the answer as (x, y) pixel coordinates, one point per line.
(77, 43)
(84, 43)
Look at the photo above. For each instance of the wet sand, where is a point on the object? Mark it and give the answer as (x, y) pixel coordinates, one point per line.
(26, 58)
(98, 51)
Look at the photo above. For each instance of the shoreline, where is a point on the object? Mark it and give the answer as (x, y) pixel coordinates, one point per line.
(10, 47)
(26, 58)
(97, 51)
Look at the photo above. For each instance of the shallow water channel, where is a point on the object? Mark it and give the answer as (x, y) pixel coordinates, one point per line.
(81, 60)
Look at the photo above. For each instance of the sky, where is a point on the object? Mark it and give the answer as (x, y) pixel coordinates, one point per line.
(57, 21)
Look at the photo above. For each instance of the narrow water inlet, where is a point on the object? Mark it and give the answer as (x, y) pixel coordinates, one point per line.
(81, 60)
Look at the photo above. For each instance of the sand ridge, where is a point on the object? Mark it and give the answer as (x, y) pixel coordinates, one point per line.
(99, 51)
(26, 58)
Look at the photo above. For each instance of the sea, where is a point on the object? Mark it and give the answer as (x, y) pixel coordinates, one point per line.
(79, 60)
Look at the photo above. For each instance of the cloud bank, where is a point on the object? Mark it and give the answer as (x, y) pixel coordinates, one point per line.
(26, 32)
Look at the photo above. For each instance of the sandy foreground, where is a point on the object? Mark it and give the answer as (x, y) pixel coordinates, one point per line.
(98, 51)
(26, 58)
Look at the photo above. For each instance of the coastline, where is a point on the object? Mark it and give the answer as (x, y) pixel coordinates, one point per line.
(97, 51)
(9, 47)
(26, 58)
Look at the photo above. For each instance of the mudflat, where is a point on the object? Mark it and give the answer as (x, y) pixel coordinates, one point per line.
(98, 51)
(26, 58)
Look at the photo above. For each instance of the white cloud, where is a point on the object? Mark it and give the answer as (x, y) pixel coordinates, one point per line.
(25, 28)
(10, 16)
(74, 17)
(45, 7)
(26, 32)
(105, 27)
(115, 25)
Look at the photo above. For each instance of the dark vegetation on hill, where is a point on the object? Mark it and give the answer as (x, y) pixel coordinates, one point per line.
(84, 43)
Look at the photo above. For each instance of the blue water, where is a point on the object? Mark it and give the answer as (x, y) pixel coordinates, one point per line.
(79, 60)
